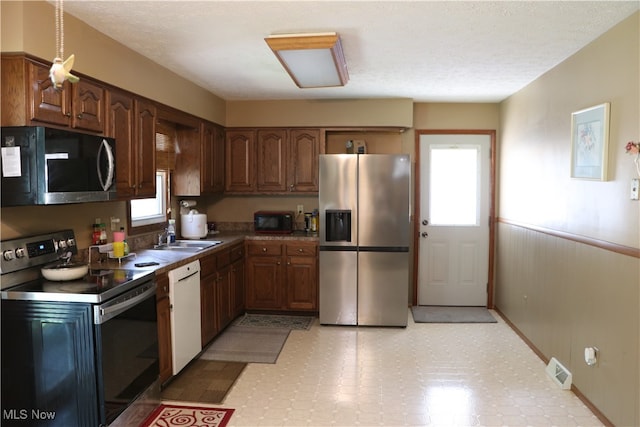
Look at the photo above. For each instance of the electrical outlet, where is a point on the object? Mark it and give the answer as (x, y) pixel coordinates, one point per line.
(300, 209)
(635, 183)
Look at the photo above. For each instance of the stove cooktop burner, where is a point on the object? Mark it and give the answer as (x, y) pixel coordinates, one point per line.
(95, 287)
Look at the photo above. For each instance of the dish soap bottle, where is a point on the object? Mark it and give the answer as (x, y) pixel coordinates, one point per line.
(171, 231)
(126, 245)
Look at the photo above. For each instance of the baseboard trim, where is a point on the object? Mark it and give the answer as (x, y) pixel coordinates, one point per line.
(545, 359)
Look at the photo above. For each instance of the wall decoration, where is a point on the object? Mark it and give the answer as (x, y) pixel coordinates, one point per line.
(633, 148)
(589, 142)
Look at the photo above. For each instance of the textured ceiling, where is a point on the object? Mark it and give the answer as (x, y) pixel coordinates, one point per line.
(430, 51)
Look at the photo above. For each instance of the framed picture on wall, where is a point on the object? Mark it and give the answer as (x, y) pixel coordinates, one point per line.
(590, 142)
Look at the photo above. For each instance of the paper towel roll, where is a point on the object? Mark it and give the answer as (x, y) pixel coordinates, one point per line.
(187, 203)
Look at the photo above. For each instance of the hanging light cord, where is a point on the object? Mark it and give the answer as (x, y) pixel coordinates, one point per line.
(60, 29)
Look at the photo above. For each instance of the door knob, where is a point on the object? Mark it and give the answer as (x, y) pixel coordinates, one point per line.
(425, 222)
(424, 234)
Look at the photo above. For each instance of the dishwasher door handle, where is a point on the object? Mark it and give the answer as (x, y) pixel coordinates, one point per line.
(186, 277)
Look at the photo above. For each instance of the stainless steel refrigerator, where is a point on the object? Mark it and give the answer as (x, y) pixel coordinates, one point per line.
(364, 239)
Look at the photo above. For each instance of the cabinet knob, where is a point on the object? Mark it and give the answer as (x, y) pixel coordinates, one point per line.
(300, 250)
(278, 263)
(67, 114)
(166, 288)
(79, 116)
(264, 249)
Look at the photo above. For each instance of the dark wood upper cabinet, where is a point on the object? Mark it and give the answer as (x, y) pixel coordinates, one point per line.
(30, 99)
(304, 150)
(272, 160)
(132, 122)
(240, 153)
(212, 163)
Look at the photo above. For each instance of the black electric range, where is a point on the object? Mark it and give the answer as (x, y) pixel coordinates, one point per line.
(86, 349)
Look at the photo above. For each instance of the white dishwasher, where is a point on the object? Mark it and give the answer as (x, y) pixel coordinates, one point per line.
(184, 295)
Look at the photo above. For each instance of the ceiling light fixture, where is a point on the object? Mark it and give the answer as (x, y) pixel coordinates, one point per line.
(312, 60)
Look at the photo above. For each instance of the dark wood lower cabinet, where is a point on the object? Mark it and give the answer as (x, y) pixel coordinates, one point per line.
(221, 284)
(163, 308)
(282, 276)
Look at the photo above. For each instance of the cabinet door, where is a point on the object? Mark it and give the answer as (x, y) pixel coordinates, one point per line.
(207, 157)
(224, 297)
(240, 161)
(302, 283)
(48, 105)
(163, 307)
(237, 287)
(271, 158)
(209, 326)
(264, 282)
(218, 159)
(88, 106)
(120, 122)
(212, 158)
(304, 149)
(145, 140)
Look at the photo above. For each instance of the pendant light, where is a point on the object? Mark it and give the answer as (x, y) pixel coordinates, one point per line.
(61, 70)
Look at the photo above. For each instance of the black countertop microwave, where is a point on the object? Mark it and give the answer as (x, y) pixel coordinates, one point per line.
(273, 222)
(45, 166)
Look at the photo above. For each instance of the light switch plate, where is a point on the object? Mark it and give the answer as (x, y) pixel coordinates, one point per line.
(635, 183)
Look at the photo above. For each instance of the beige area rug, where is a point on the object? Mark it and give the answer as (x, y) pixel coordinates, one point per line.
(247, 344)
(449, 314)
(204, 381)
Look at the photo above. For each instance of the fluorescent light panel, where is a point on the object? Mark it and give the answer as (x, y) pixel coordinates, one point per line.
(312, 60)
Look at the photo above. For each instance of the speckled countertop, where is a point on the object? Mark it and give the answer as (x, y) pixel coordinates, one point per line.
(169, 259)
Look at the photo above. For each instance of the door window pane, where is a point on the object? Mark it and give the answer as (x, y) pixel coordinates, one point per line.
(453, 185)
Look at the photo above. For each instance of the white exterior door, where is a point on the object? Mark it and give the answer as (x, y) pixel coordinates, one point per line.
(455, 171)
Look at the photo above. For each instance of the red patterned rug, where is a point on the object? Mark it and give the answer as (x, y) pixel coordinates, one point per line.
(186, 416)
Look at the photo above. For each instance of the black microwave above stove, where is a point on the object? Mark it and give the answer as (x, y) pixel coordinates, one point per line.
(273, 222)
(45, 166)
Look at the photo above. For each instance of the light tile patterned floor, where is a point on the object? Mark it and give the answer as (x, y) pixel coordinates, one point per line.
(424, 375)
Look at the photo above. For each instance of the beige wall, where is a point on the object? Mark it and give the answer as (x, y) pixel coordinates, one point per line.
(563, 295)
(536, 187)
(323, 113)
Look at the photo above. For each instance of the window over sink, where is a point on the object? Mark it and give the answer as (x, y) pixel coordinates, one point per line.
(152, 210)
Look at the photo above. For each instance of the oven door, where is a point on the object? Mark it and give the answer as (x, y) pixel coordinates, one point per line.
(126, 349)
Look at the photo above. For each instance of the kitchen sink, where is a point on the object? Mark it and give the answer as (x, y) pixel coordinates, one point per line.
(188, 245)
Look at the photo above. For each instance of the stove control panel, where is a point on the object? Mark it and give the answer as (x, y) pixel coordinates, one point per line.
(34, 251)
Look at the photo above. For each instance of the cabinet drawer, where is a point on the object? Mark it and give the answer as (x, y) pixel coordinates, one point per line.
(207, 265)
(264, 248)
(302, 249)
(237, 252)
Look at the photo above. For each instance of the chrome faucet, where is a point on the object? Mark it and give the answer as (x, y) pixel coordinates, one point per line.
(163, 236)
